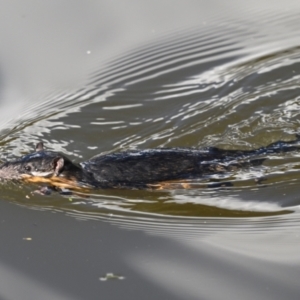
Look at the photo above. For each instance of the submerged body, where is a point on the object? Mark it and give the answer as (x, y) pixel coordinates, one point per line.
(134, 169)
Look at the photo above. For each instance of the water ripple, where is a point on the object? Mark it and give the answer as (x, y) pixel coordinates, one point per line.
(232, 84)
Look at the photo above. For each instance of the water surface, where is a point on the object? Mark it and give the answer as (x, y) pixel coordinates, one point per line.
(144, 77)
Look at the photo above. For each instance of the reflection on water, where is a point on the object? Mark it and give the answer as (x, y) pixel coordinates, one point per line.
(192, 89)
(228, 86)
(230, 81)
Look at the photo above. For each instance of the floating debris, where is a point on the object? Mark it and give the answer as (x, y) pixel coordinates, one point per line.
(109, 276)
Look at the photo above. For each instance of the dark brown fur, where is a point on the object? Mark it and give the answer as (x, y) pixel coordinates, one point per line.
(155, 168)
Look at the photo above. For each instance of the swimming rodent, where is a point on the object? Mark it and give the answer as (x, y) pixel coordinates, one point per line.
(135, 169)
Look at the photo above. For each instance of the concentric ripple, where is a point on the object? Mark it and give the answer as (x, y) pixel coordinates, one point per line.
(228, 85)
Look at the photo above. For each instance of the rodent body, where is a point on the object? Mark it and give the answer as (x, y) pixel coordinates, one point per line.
(134, 169)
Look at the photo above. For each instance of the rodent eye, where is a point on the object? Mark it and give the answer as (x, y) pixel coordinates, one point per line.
(27, 168)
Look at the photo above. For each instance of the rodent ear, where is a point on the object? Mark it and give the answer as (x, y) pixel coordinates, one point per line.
(58, 164)
(39, 147)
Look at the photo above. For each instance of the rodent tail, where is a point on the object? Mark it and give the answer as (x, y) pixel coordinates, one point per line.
(283, 146)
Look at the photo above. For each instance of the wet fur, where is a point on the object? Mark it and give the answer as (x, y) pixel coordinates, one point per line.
(156, 169)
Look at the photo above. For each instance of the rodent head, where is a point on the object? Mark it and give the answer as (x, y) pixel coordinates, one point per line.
(40, 163)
